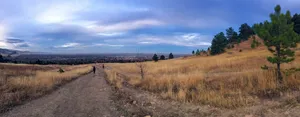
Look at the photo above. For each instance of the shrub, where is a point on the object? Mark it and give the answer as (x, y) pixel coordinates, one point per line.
(61, 70)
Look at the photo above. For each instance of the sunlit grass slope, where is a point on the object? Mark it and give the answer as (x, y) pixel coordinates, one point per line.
(232, 79)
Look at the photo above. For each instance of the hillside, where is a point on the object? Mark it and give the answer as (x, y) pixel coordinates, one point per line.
(246, 45)
(230, 80)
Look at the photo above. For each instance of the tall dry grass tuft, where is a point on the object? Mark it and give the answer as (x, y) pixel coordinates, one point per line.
(113, 78)
(229, 80)
(15, 90)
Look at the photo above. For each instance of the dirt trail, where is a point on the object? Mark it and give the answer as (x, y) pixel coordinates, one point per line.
(88, 96)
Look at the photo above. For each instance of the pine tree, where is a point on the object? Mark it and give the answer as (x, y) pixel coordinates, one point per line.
(198, 52)
(280, 37)
(296, 21)
(171, 56)
(155, 58)
(231, 35)
(234, 38)
(245, 31)
(162, 57)
(219, 44)
(1, 58)
(193, 52)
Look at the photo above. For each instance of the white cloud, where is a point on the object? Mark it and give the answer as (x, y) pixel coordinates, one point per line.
(3, 38)
(61, 12)
(68, 45)
(146, 42)
(125, 26)
(115, 7)
(190, 36)
(108, 34)
(78, 45)
(81, 23)
(180, 39)
(110, 45)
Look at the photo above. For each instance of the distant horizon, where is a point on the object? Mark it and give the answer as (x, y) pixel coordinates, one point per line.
(148, 26)
(53, 53)
(112, 53)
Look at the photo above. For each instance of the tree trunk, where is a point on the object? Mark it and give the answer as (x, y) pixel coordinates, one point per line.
(142, 72)
(279, 75)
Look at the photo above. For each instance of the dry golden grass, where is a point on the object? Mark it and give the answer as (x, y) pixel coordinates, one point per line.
(23, 82)
(231, 80)
(113, 79)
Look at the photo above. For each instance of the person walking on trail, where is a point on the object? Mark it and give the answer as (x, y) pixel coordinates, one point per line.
(94, 69)
(103, 66)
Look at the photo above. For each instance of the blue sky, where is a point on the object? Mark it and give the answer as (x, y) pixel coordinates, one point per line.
(125, 26)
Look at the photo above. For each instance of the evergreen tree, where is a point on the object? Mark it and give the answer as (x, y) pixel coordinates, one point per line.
(193, 52)
(155, 58)
(257, 27)
(245, 31)
(296, 21)
(219, 44)
(162, 57)
(198, 52)
(231, 35)
(171, 56)
(234, 38)
(280, 37)
(1, 58)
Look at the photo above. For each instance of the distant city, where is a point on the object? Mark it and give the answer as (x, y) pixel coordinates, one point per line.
(13, 56)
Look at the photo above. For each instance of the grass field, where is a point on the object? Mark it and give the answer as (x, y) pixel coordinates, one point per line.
(21, 82)
(233, 79)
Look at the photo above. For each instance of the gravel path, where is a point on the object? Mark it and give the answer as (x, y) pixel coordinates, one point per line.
(87, 96)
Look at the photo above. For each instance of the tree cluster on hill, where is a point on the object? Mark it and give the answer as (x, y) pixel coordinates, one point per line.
(199, 52)
(280, 35)
(162, 57)
(222, 41)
